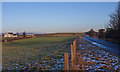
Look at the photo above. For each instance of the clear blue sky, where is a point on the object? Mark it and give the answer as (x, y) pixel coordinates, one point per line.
(55, 16)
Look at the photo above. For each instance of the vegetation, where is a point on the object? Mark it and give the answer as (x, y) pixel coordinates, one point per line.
(7, 37)
(91, 33)
(24, 34)
(64, 34)
(67, 33)
(20, 53)
(101, 33)
(114, 25)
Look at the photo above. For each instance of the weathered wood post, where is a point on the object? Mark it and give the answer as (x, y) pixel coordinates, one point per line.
(79, 58)
(80, 61)
(80, 37)
(66, 62)
(82, 67)
(72, 56)
(75, 54)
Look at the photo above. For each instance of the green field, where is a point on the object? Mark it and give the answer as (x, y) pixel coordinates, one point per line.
(6, 38)
(20, 54)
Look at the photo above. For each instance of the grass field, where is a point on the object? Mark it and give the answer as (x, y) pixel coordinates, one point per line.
(6, 38)
(22, 54)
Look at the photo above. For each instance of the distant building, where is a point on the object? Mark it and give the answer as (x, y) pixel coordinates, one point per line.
(10, 34)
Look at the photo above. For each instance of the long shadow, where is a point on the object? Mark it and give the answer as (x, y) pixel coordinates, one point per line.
(109, 46)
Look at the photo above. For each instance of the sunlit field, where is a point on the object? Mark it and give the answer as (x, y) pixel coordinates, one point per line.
(60, 36)
(39, 52)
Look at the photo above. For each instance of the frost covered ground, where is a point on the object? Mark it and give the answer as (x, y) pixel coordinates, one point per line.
(96, 58)
(51, 57)
(39, 53)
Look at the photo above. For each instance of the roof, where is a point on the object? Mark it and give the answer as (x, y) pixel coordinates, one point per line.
(10, 33)
(14, 34)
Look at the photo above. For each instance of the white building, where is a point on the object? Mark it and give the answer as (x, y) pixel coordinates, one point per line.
(10, 35)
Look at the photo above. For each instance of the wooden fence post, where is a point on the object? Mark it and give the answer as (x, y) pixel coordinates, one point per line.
(72, 55)
(66, 62)
(75, 54)
(80, 61)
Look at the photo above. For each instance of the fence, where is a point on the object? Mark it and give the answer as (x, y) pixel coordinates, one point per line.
(76, 61)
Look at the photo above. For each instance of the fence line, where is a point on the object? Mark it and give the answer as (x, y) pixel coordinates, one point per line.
(66, 62)
(76, 62)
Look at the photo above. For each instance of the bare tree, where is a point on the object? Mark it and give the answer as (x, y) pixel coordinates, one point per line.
(114, 22)
(115, 18)
(24, 34)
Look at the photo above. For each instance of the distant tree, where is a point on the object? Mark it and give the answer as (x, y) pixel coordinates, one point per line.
(115, 18)
(101, 33)
(114, 23)
(2, 34)
(91, 33)
(17, 34)
(108, 33)
(73, 34)
(24, 34)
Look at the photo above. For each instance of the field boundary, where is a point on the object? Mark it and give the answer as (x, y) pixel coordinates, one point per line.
(76, 61)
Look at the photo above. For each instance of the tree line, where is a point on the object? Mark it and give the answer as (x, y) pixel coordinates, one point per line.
(112, 30)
